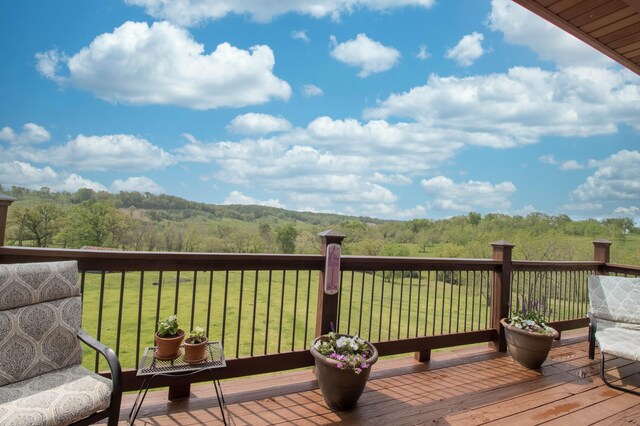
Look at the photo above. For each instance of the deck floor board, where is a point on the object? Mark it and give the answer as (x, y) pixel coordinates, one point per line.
(469, 386)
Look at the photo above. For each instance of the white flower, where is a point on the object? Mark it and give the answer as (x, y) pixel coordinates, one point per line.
(341, 342)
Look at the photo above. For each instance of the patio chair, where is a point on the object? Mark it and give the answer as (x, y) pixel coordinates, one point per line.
(614, 320)
(42, 381)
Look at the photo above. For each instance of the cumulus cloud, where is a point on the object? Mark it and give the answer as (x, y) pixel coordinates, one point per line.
(137, 183)
(549, 42)
(31, 134)
(617, 178)
(258, 124)
(468, 49)
(392, 179)
(309, 90)
(368, 55)
(300, 35)
(101, 153)
(237, 197)
(631, 211)
(192, 12)
(162, 64)
(468, 196)
(23, 174)
(521, 106)
(422, 53)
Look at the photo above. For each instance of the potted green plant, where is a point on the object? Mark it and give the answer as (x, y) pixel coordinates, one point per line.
(168, 338)
(529, 339)
(343, 364)
(195, 346)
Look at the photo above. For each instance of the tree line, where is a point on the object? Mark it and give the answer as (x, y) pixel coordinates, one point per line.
(148, 222)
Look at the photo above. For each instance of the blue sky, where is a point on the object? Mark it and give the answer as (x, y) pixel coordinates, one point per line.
(394, 109)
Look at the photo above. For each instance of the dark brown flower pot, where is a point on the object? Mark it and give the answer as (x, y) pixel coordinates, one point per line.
(527, 349)
(169, 347)
(195, 352)
(341, 389)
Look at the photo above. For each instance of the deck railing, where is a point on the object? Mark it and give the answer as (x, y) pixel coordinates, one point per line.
(267, 308)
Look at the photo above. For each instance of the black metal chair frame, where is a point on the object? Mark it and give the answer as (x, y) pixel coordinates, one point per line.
(113, 412)
(592, 355)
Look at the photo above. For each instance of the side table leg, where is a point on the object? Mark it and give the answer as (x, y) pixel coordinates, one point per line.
(220, 395)
(146, 384)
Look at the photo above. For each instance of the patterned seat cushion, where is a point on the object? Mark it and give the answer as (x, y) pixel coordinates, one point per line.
(40, 338)
(615, 298)
(24, 284)
(60, 397)
(619, 339)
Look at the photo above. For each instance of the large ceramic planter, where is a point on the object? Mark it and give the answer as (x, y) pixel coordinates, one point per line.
(169, 347)
(527, 349)
(341, 389)
(195, 352)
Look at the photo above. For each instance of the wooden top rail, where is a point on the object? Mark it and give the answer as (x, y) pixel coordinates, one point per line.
(374, 263)
(623, 269)
(163, 261)
(527, 265)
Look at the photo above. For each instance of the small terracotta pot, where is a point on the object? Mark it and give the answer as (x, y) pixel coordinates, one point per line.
(340, 389)
(169, 347)
(527, 349)
(195, 352)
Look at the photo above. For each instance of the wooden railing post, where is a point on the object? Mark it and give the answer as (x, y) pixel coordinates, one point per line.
(601, 253)
(501, 293)
(327, 312)
(5, 202)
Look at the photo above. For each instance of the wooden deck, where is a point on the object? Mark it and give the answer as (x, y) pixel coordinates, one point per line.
(468, 386)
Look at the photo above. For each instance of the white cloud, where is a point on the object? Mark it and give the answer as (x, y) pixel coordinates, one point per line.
(309, 90)
(258, 124)
(617, 179)
(137, 183)
(236, 197)
(49, 64)
(631, 211)
(468, 49)
(392, 179)
(422, 53)
(521, 106)
(548, 159)
(300, 35)
(110, 152)
(192, 12)
(368, 55)
(468, 196)
(23, 174)
(571, 165)
(163, 65)
(549, 42)
(582, 207)
(31, 134)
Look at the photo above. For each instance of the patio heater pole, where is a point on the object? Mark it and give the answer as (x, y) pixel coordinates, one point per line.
(327, 312)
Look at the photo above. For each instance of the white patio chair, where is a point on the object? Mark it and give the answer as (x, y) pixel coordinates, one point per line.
(42, 381)
(614, 320)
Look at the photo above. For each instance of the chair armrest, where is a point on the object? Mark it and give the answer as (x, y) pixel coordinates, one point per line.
(112, 360)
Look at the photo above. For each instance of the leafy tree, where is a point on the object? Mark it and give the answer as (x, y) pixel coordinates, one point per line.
(286, 238)
(95, 223)
(43, 222)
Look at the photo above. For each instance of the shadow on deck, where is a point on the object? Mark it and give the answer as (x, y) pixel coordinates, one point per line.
(468, 386)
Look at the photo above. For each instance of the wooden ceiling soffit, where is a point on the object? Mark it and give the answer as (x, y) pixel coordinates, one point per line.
(610, 26)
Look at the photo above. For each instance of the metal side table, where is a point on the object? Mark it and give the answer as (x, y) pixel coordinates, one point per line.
(151, 367)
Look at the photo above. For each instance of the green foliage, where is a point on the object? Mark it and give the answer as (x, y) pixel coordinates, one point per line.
(144, 221)
(286, 238)
(168, 327)
(197, 335)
